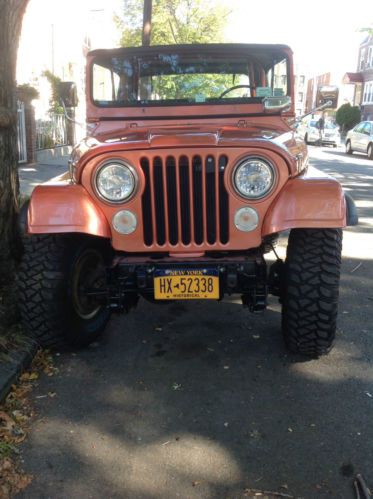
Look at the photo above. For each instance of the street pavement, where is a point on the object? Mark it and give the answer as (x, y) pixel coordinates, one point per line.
(201, 400)
(44, 170)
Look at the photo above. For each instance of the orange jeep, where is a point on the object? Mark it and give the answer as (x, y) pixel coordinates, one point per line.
(191, 171)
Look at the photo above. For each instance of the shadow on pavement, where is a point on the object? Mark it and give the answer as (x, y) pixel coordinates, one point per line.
(201, 400)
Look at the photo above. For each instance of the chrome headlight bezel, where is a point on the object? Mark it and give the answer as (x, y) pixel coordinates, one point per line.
(271, 169)
(121, 163)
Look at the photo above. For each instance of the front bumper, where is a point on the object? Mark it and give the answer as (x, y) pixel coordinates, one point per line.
(130, 277)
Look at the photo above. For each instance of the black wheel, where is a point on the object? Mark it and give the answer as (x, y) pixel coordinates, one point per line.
(311, 289)
(370, 151)
(306, 139)
(348, 147)
(54, 275)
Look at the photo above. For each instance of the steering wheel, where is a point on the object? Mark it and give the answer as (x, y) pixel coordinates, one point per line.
(233, 88)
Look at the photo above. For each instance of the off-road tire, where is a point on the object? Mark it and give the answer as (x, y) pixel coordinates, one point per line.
(44, 284)
(348, 147)
(311, 290)
(370, 151)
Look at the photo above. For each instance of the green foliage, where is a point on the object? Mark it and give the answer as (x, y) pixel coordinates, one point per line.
(348, 116)
(178, 22)
(188, 86)
(174, 21)
(54, 101)
(368, 29)
(6, 450)
(27, 92)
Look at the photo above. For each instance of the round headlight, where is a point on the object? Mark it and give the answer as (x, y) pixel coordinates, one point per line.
(115, 182)
(253, 178)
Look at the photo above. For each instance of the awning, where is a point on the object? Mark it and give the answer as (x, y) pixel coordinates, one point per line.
(353, 78)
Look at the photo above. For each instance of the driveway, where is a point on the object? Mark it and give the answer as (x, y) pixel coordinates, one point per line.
(201, 400)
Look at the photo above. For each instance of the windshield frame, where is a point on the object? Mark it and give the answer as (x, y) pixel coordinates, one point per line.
(232, 106)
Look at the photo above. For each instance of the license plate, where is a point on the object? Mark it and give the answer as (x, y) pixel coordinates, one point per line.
(186, 284)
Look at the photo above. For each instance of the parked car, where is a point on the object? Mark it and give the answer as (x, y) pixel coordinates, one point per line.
(310, 132)
(191, 173)
(360, 139)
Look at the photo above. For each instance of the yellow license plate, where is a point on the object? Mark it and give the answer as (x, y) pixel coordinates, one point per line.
(186, 285)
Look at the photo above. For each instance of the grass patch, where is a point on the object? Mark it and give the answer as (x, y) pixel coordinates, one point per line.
(7, 450)
(13, 340)
(12, 337)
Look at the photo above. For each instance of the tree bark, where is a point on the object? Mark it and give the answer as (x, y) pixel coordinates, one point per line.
(147, 23)
(11, 14)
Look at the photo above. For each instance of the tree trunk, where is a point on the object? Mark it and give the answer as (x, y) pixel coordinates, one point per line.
(11, 14)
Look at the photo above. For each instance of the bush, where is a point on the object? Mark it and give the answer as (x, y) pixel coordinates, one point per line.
(348, 116)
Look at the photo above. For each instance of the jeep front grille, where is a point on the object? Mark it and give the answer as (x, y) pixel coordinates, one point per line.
(185, 201)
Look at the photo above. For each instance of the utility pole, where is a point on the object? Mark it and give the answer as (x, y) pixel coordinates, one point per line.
(147, 23)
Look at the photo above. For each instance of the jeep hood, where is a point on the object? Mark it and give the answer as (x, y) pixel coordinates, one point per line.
(281, 140)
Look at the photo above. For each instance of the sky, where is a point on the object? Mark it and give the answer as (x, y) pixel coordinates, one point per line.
(322, 33)
(65, 22)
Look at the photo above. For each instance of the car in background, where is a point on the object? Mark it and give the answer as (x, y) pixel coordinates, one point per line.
(360, 139)
(309, 131)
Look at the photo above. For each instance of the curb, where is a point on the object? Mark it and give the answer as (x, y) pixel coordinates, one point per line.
(11, 369)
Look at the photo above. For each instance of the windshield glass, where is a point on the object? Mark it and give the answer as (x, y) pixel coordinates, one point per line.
(187, 78)
(330, 126)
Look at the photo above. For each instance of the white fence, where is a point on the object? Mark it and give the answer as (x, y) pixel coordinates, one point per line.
(52, 132)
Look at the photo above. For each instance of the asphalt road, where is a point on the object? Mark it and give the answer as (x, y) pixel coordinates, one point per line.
(201, 400)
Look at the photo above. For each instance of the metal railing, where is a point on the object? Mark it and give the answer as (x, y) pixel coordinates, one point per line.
(21, 133)
(52, 132)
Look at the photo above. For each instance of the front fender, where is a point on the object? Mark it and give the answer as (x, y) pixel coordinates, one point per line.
(64, 207)
(312, 200)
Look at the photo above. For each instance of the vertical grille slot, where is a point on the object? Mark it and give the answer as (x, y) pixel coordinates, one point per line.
(210, 199)
(146, 204)
(185, 199)
(223, 202)
(172, 200)
(198, 199)
(159, 201)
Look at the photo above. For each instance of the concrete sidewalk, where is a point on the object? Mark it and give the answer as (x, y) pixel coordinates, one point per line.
(50, 163)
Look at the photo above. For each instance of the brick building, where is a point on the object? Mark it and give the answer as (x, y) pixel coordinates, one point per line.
(312, 85)
(362, 79)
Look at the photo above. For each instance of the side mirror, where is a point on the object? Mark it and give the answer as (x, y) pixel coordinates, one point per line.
(67, 92)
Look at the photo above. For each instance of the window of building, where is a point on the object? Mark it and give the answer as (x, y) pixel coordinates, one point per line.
(368, 93)
(362, 57)
(300, 96)
(283, 79)
(301, 80)
(370, 57)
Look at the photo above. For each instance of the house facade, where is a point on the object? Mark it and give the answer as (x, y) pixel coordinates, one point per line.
(362, 79)
(330, 79)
